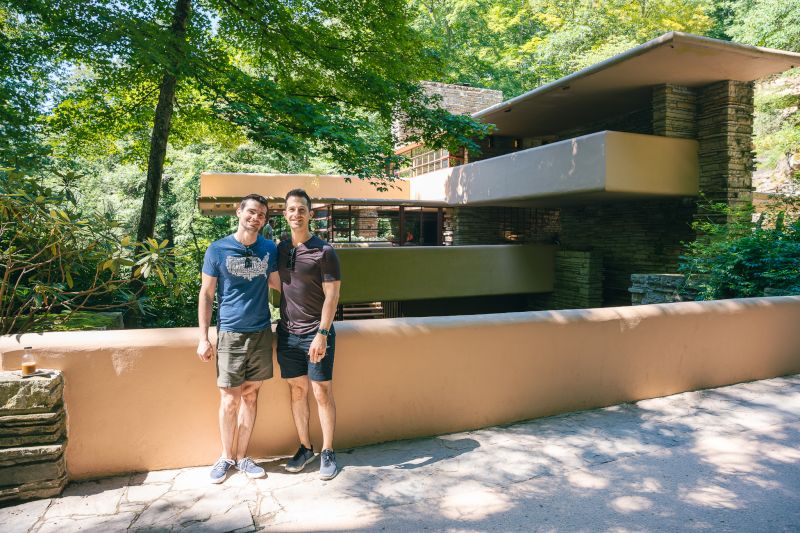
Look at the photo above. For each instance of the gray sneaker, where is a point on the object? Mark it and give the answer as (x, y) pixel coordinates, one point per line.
(327, 465)
(249, 467)
(300, 459)
(220, 470)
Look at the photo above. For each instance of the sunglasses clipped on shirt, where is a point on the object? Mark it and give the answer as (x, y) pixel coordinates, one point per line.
(248, 257)
(292, 255)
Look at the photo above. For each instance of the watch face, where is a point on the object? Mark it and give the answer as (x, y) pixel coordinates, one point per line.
(323, 331)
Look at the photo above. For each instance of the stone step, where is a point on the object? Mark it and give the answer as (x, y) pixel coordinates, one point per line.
(33, 428)
(32, 471)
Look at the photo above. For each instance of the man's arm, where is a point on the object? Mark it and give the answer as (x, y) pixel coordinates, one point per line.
(205, 301)
(275, 281)
(331, 289)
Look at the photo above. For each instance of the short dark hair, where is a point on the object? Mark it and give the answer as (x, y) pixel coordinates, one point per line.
(271, 221)
(257, 197)
(299, 193)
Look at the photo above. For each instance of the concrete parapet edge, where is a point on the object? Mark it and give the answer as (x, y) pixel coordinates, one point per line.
(140, 400)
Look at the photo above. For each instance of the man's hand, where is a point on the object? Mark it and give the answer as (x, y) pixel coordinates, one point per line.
(318, 347)
(205, 351)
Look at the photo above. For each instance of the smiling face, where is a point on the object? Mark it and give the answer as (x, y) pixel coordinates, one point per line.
(297, 213)
(252, 216)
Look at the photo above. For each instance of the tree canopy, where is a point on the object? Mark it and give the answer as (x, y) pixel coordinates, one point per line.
(120, 104)
(517, 45)
(294, 76)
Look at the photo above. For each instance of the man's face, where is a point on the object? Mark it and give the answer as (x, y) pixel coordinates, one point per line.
(297, 213)
(252, 216)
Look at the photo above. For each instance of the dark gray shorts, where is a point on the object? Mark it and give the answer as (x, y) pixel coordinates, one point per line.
(243, 357)
(293, 356)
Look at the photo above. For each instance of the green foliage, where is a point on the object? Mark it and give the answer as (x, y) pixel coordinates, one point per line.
(26, 82)
(302, 78)
(56, 257)
(175, 304)
(517, 45)
(721, 13)
(771, 23)
(741, 258)
(77, 321)
(777, 119)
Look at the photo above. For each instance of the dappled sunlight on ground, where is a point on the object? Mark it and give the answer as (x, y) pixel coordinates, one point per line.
(631, 504)
(470, 501)
(710, 496)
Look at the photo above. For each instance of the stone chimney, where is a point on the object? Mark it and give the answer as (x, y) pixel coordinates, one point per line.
(457, 99)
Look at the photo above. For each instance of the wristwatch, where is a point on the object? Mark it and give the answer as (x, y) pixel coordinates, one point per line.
(323, 331)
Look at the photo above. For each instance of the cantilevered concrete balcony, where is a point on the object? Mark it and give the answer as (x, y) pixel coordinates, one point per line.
(220, 192)
(601, 166)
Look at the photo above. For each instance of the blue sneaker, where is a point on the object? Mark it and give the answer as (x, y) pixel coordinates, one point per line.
(327, 466)
(220, 470)
(300, 459)
(249, 467)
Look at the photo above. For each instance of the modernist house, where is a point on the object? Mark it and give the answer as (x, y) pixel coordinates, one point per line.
(585, 181)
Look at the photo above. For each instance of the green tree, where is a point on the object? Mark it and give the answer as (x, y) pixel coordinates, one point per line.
(24, 86)
(516, 45)
(295, 76)
(771, 23)
(56, 257)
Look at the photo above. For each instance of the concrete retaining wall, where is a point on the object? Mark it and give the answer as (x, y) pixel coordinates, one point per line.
(141, 400)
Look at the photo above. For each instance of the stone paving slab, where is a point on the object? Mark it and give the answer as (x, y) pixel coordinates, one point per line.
(725, 459)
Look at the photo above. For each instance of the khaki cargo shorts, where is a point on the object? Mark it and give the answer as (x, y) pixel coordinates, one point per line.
(243, 357)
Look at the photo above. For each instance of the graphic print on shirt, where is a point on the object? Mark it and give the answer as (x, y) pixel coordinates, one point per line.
(237, 266)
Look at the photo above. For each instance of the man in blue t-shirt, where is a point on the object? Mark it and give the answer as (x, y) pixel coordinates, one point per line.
(237, 268)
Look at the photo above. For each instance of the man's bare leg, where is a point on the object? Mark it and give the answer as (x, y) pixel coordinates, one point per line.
(323, 392)
(246, 416)
(230, 398)
(298, 389)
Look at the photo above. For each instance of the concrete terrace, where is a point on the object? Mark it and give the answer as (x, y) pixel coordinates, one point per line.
(724, 459)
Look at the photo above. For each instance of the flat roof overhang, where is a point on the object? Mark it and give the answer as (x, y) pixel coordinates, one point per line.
(602, 166)
(624, 82)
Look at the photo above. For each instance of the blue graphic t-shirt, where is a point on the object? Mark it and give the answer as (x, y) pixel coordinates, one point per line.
(242, 273)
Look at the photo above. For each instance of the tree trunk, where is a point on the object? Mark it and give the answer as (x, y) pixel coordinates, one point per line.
(176, 47)
(163, 119)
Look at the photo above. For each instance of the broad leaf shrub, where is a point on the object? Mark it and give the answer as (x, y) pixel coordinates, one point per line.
(746, 255)
(56, 259)
(174, 304)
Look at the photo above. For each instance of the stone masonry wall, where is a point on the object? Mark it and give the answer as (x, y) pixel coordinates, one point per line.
(500, 225)
(656, 288)
(457, 99)
(636, 236)
(725, 133)
(462, 99)
(674, 111)
(578, 282)
(33, 430)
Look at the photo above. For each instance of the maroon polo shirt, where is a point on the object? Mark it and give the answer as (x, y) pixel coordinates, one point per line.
(302, 296)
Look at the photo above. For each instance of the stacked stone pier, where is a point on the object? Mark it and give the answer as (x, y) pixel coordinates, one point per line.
(33, 430)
